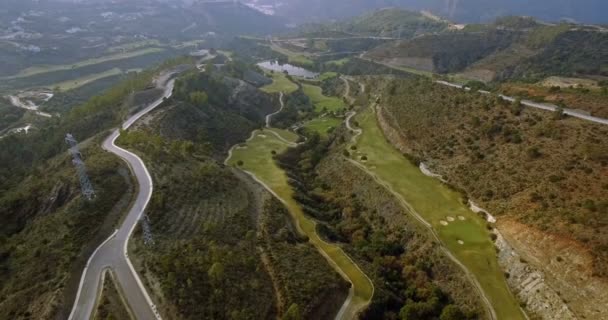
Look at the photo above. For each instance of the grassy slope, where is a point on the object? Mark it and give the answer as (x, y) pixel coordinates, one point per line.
(322, 125)
(257, 159)
(280, 83)
(321, 102)
(435, 202)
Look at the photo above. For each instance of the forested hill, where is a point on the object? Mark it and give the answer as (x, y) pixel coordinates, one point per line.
(510, 48)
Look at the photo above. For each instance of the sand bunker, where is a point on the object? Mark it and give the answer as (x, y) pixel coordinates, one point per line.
(451, 219)
(443, 223)
(461, 218)
(460, 242)
(262, 135)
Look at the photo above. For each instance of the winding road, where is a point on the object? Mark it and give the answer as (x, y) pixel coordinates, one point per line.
(112, 253)
(532, 104)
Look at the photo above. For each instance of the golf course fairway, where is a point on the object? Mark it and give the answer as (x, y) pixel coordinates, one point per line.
(461, 231)
(256, 156)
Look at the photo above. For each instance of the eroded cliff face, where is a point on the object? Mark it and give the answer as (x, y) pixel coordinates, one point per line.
(530, 285)
(552, 277)
(541, 263)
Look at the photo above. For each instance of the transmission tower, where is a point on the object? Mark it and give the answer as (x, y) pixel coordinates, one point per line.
(85, 183)
(147, 230)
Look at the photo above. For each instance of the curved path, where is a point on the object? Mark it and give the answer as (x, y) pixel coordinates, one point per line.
(112, 254)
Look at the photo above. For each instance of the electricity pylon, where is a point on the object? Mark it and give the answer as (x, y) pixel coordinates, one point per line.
(85, 183)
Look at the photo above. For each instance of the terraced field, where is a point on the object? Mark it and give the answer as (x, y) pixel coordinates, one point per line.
(189, 220)
(463, 232)
(255, 157)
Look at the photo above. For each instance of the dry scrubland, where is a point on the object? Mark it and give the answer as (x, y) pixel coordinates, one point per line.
(527, 164)
(543, 176)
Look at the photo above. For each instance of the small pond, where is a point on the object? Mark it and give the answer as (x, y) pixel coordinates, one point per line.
(291, 69)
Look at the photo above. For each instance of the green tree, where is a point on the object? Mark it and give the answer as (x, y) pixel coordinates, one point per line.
(293, 313)
(199, 98)
(451, 312)
(216, 272)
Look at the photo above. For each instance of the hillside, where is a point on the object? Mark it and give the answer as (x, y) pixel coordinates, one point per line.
(217, 236)
(513, 48)
(531, 169)
(352, 210)
(46, 219)
(72, 51)
(44, 215)
(391, 22)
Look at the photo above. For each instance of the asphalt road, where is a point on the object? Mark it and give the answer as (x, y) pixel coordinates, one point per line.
(112, 254)
(537, 105)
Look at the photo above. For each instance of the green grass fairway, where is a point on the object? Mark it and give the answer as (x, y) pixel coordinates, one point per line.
(280, 83)
(339, 62)
(322, 125)
(79, 82)
(44, 69)
(327, 75)
(293, 57)
(436, 203)
(257, 159)
(320, 101)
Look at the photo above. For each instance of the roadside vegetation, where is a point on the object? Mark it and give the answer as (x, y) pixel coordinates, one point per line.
(111, 305)
(587, 98)
(45, 219)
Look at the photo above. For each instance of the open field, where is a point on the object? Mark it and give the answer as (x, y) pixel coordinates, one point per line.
(322, 125)
(44, 69)
(280, 83)
(463, 232)
(257, 159)
(322, 103)
(79, 82)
